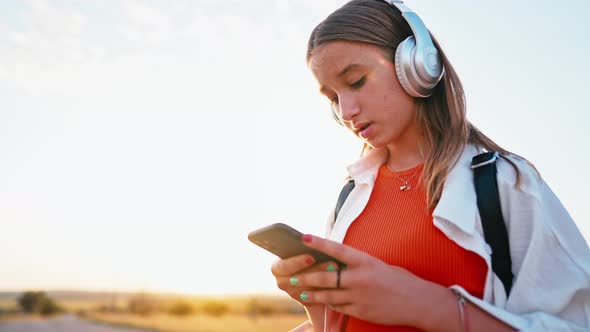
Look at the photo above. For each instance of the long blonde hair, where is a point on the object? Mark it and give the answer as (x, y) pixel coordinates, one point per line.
(441, 117)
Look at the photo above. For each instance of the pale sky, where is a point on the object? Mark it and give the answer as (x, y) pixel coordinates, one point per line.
(140, 141)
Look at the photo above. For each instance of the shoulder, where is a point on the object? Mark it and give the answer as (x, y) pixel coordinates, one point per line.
(536, 219)
(519, 181)
(517, 172)
(524, 193)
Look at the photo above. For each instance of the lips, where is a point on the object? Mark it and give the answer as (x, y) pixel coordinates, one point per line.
(362, 129)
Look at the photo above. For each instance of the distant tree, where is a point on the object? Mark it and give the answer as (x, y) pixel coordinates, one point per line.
(181, 308)
(142, 305)
(49, 307)
(38, 302)
(256, 308)
(31, 301)
(215, 308)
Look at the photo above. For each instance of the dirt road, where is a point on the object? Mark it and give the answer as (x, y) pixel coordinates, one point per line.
(65, 323)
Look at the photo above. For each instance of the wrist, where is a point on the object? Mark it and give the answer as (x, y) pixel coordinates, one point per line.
(315, 314)
(438, 311)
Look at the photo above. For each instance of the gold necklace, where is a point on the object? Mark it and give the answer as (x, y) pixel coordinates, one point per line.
(406, 186)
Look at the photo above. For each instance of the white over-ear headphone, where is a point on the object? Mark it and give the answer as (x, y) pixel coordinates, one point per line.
(417, 62)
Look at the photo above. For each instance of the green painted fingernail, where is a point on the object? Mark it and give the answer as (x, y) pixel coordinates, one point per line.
(330, 268)
(331, 306)
(294, 281)
(303, 296)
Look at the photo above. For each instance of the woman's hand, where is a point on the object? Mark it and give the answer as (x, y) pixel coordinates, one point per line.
(369, 288)
(284, 271)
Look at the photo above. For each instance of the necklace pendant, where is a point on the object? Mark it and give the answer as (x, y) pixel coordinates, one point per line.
(406, 186)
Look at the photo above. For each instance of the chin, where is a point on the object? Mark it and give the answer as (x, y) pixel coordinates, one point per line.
(375, 144)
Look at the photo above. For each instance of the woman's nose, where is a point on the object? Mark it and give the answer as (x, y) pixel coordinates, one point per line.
(349, 108)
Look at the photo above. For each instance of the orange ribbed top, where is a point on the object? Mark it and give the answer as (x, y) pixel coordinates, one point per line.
(397, 228)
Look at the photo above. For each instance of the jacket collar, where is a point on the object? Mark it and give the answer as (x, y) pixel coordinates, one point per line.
(365, 169)
(457, 204)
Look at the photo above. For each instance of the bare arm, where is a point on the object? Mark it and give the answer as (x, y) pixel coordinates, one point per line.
(441, 313)
(316, 316)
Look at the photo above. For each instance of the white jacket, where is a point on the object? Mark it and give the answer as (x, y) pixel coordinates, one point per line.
(550, 258)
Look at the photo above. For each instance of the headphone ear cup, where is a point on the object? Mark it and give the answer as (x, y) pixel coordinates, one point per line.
(403, 60)
(407, 70)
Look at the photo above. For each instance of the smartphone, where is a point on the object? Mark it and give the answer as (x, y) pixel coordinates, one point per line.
(285, 242)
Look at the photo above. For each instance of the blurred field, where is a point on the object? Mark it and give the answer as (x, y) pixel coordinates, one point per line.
(203, 323)
(172, 312)
(13, 316)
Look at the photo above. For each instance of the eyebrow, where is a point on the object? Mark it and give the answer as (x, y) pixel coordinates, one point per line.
(342, 73)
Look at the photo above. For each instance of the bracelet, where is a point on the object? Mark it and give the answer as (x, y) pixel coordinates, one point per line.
(462, 312)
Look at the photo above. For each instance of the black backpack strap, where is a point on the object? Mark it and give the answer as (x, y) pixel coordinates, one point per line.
(490, 211)
(342, 197)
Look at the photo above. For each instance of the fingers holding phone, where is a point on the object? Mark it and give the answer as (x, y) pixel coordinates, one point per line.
(296, 258)
(288, 273)
(289, 266)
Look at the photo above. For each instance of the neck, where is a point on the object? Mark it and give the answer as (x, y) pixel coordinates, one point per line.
(401, 160)
(407, 153)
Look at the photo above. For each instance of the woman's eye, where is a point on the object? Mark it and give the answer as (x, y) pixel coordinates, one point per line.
(334, 101)
(358, 83)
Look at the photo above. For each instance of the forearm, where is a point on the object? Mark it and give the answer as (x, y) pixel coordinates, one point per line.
(444, 313)
(316, 316)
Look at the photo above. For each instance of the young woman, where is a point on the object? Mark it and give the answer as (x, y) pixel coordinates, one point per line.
(410, 232)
